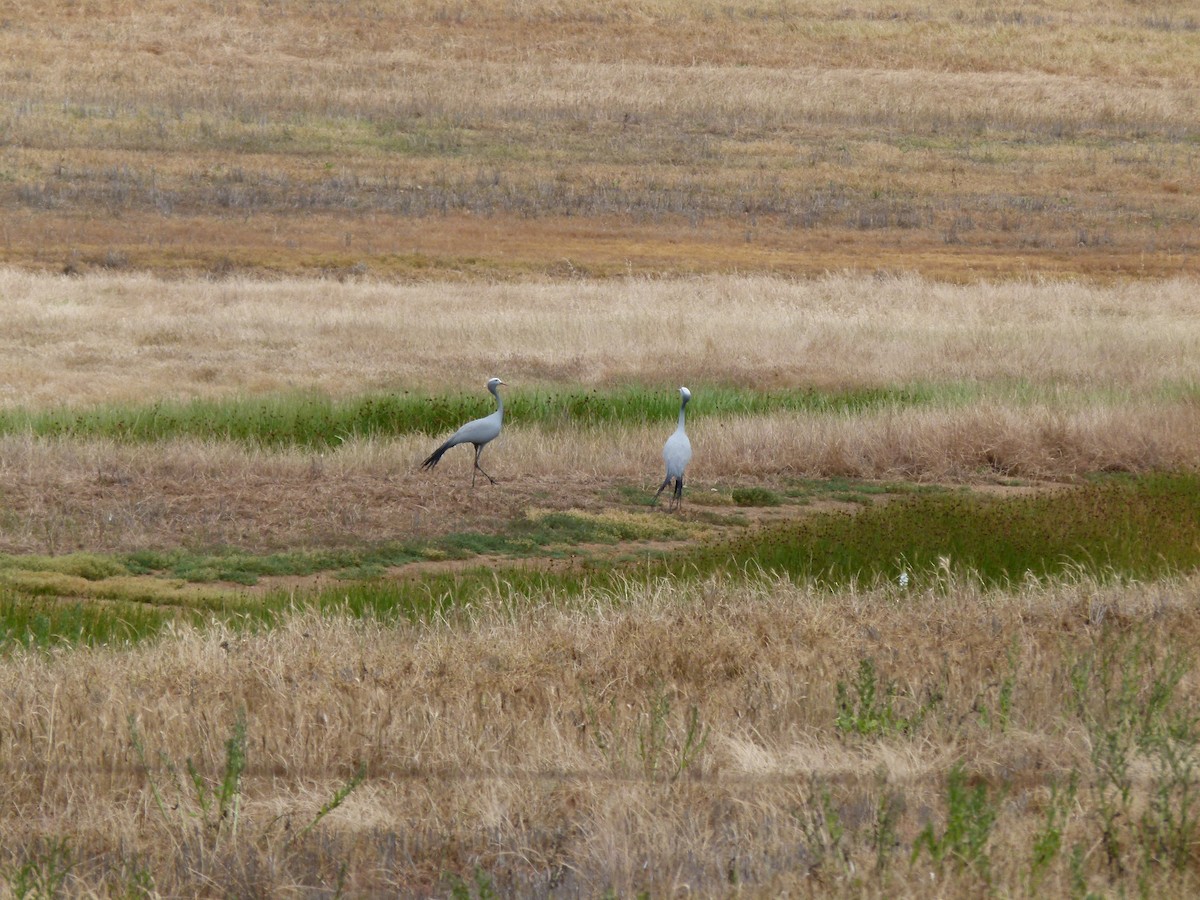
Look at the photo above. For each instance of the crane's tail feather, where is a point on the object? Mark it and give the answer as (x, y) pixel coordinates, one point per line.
(432, 459)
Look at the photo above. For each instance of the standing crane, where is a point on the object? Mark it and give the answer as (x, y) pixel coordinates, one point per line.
(677, 452)
(478, 432)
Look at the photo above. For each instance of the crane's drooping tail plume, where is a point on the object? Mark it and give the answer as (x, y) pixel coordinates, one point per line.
(677, 452)
(478, 433)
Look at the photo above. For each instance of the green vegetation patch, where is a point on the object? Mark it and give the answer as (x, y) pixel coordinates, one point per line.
(852, 490)
(1120, 526)
(87, 566)
(319, 421)
(755, 496)
(38, 622)
(1135, 527)
(127, 588)
(578, 526)
(240, 567)
(316, 420)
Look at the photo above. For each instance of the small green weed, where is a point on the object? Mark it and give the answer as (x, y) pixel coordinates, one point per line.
(338, 798)
(44, 872)
(482, 889)
(823, 829)
(884, 836)
(1125, 691)
(205, 810)
(1000, 716)
(1047, 841)
(663, 751)
(970, 815)
(219, 803)
(871, 710)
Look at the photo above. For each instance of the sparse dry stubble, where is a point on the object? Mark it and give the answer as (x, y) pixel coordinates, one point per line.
(499, 141)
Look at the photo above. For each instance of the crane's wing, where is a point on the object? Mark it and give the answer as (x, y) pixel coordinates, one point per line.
(478, 431)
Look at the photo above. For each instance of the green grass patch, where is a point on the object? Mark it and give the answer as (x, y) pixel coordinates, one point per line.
(315, 420)
(239, 567)
(88, 566)
(36, 622)
(129, 589)
(1134, 527)
(1119, 526)
(851, 490)
(319, 421)
(755, 496)
(578, 526)
(176, 576)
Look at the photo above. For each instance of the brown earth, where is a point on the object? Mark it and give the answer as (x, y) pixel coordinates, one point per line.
(156, 510)
(511, 247)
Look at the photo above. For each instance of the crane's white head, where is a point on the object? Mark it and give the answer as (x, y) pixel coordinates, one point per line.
(494, 383)
(685, 394)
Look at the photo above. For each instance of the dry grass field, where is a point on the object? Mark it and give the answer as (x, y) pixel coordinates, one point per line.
(660, 741)
(961, 141)
(113, 337)
(902, 253)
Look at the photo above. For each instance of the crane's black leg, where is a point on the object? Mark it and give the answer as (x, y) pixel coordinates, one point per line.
(479, 450)
(678, 499)
(662, 488)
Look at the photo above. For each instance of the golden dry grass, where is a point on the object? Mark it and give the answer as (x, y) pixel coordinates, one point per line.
(547, 744)
(113, 337)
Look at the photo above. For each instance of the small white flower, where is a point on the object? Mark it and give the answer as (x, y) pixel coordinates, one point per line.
(903, 579)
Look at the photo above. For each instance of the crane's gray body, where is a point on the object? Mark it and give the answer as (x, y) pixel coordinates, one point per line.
(677, 453)
(478, 432)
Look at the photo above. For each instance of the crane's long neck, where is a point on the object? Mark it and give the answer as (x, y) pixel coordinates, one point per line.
(682, 410)
(499, 402)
